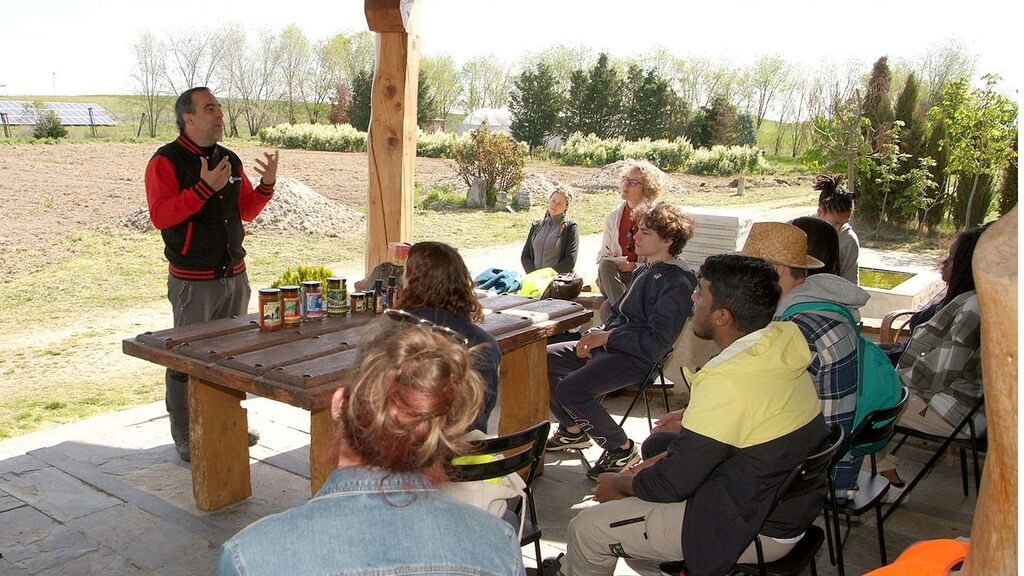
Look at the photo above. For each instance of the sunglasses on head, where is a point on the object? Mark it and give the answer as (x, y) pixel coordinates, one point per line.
(407, 318)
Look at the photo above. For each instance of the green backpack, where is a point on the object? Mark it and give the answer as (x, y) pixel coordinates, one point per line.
(879, 386)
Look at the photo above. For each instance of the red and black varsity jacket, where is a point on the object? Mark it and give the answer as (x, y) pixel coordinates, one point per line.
(202, 229)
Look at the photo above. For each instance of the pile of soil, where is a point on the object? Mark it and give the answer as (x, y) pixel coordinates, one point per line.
(540, 186)
(294, 208)
(610, 176)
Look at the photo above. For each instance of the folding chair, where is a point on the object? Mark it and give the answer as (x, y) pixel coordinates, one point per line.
(655, 378)
(527, 451)
(972, 442)
(877, 426)
(809, 476)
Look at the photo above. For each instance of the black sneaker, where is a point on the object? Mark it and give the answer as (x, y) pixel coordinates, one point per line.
(565, 440)
(615, 461)
(549, 567)
(183, 451)
(253, 437)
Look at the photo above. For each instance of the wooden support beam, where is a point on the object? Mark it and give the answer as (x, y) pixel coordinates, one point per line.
(219, 441)
(391, 141)
(323, 447)
(994, 532)
(523, 388)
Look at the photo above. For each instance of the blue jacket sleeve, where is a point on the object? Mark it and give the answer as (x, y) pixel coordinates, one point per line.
(650, 331)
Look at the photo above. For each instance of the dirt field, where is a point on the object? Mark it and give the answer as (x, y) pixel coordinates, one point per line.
(51, 192)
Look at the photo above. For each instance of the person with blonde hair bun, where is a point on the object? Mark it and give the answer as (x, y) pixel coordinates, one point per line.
(411, 398)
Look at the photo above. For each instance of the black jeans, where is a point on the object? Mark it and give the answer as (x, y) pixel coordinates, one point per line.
(577, 383)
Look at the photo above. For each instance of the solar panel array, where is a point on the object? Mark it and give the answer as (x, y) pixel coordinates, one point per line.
(70, 113)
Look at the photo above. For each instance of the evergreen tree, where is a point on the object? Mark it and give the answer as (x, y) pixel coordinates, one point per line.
(602, 101)
(645, 102)
(913, 140)
(426, 104)
(722, 120)
(877, 108)
(678, 115)
(746, 134)
(574, 118)
(535, 104)
(359, 109)
(698, 130)
(934, 213)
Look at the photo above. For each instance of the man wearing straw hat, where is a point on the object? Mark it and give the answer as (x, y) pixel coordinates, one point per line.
(806, 259)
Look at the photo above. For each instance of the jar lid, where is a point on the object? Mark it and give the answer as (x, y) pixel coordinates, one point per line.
(290, 287)
(310, 283)
(270, 291)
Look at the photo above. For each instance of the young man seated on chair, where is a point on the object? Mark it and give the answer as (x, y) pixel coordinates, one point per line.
(753, 417)
(643, 325)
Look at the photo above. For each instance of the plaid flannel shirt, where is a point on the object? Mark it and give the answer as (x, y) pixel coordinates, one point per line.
(833, 370)
(943, 358)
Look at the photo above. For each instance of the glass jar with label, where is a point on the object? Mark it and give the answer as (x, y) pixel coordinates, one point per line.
(337, 297)
(291, 306)
(270, 309)
(312, 300)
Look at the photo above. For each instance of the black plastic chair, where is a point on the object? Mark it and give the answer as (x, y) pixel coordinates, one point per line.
(877, 426)
(809, 476)
(972, 443)
(655, 378)
(521, 450)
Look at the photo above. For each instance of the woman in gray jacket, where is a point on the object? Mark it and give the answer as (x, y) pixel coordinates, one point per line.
(554, 240)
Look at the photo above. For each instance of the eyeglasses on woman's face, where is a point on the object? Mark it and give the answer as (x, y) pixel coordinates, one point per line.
(631, 181)
(404, 317)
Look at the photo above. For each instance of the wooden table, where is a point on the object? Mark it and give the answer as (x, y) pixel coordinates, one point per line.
(225, 359)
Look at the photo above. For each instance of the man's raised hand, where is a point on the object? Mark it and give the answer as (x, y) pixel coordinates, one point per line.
(268, 170)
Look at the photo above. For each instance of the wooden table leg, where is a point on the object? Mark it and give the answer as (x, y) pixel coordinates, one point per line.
(219, 443)
(323, 458)
(524, 388)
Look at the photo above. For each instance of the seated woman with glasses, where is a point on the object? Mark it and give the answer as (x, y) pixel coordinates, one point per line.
(436, 286)
(641, 184)
(399, 422)
(553, 240)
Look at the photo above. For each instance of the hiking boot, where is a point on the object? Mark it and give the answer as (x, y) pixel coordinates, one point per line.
(615, 460)
(565, 440)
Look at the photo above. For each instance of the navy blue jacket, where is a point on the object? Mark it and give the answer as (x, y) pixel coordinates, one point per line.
(646, 321)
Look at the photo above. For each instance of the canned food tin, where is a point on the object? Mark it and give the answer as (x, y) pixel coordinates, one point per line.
(270, 309)
(291, 306)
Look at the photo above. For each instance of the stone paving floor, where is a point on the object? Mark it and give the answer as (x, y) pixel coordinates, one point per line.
(109, 496)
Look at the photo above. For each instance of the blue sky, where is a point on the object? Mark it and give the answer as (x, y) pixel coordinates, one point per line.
(86, 47)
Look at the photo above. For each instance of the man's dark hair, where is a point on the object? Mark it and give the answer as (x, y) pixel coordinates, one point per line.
(833, 197)
(184, 105)
(747, 287)
(961, 272)
(822, 243)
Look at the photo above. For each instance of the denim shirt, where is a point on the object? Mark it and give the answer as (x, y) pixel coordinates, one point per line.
(365, 520)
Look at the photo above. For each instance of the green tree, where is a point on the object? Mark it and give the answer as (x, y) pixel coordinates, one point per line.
(913, 138)
(678, 115)
(877, 109)
(295, 57)
(980, 125)
(575, 111)
(935, 210)
(602, 100)
(47, 123)
(443, 77)
(359, 109)
(838, 141)
(1008, 191)
(698, 129)
(645, 101)
(535, 104)
(746, 134)
(426, 105)
(722, 120)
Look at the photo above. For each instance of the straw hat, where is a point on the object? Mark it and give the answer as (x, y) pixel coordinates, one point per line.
(779, 243)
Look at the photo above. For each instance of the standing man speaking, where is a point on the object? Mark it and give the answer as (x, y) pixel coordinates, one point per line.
(198, 196)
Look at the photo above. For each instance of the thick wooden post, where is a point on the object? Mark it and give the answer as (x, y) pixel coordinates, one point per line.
(994, 532)
(219, 444)
(322, 459)
(391, 142)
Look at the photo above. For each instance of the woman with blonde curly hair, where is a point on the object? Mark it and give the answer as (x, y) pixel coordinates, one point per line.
(400, 421)
(436, 286)
(640, 184)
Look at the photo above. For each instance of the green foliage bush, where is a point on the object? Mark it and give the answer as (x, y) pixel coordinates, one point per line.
(669, 155)
(438, 144)
(303, 273)
(495, 158)
(726, 161)
(440, 197)
(321, 137)
(48, 126)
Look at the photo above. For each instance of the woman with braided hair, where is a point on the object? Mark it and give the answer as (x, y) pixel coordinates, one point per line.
(400, 420)
(835, 206)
